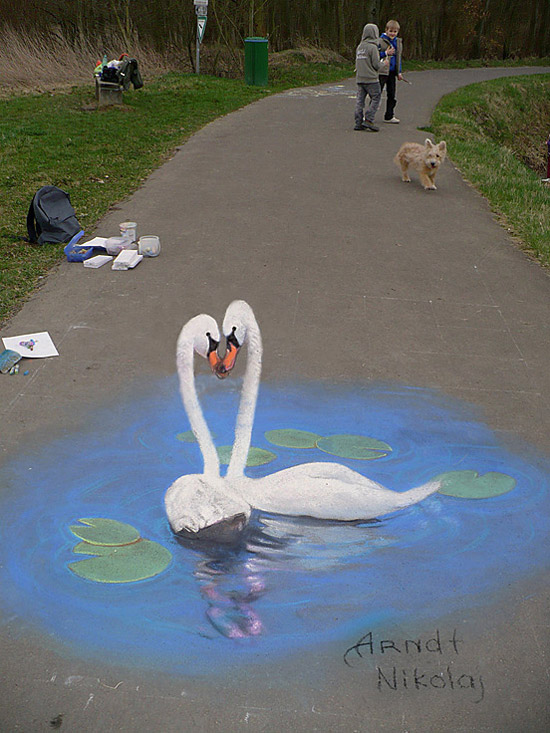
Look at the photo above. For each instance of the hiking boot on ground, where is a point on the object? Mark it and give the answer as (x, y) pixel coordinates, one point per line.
(370, 126)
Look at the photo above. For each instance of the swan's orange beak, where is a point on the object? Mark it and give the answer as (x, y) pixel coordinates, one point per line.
(214, 361)
(228, 362)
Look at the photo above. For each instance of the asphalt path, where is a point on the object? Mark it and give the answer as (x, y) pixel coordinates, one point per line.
(353, 276)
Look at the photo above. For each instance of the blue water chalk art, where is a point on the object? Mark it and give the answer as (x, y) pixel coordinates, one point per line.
(146, 599)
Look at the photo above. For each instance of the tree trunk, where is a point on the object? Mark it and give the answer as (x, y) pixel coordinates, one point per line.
(341, 26)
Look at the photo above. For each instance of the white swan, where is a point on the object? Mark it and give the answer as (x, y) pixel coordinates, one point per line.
(320, 490)
(201, 501)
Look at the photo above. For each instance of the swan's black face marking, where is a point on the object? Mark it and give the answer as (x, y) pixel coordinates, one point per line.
(212, 343)
(212, 353)
(232, 339)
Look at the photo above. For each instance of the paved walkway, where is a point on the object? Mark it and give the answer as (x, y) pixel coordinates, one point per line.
(354, 277)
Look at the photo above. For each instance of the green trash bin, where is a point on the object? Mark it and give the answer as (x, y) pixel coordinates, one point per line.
(255, 61)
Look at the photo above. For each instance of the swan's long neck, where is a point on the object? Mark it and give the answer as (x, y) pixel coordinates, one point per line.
(247, 404)
(193, 409)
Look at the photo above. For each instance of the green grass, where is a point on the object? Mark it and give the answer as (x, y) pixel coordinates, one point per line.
(101, 156)
(418, 65)
(496, 133)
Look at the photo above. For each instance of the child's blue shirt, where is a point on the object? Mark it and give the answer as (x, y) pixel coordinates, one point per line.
(393, 42)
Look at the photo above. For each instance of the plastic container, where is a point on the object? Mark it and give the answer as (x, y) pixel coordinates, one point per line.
(128, 229)
(114, 245)
(149, 245)
(76, 252)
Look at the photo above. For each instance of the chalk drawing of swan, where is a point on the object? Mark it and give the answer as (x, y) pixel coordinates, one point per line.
(202, 504)
(322, 490)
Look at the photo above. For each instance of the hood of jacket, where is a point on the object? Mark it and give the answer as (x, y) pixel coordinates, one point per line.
(370, 33)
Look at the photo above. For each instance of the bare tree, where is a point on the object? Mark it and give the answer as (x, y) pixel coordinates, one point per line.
(431, 28)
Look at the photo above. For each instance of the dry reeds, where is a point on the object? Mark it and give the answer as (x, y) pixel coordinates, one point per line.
(34, 61)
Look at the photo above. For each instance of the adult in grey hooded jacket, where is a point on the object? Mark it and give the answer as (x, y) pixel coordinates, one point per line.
(367, 65)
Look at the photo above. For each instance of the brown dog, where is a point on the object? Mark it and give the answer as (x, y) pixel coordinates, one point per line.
(426, 159)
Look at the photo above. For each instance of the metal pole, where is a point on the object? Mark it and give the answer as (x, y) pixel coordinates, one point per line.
(201, 10)
(198, 53)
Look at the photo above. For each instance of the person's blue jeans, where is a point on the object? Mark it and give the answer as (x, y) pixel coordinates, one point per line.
(373, 91)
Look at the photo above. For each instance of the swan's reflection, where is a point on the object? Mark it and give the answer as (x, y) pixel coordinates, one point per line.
(233, 577)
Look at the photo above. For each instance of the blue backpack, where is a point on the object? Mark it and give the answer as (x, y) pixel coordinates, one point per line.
(51, 217)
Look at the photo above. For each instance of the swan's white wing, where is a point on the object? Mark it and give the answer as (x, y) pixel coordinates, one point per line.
(327, 491)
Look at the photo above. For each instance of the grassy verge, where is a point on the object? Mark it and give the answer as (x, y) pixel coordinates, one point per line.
(101, 156)
(413, 65)
(496, 132)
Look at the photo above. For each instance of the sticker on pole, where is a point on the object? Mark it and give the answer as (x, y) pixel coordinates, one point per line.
(201, 25)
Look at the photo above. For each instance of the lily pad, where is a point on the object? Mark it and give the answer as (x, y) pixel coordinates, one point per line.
(256, 456)
(122, 564)
(472, 485)
(360, 447)
(187, 437)
(101, 531)
(291, 438)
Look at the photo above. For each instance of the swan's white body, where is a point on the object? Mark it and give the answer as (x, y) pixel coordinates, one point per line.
(320, 490)
(326, 491)
(200, 500)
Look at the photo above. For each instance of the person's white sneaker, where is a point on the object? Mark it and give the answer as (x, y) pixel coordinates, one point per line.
(393, 120)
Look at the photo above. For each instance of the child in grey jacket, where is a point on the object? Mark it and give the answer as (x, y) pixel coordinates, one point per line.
(367, 65)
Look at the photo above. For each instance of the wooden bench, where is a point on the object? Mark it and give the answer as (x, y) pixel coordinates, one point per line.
(107, 93)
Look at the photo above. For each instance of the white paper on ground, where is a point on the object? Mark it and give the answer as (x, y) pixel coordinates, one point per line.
(32, 345)
(96, 242)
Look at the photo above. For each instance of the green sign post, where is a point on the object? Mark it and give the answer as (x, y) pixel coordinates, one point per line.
(201, 25)
(201, 9)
